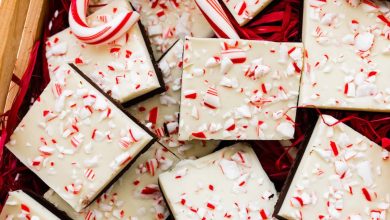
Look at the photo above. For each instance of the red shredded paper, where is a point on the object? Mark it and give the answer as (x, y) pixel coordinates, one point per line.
(280, 21)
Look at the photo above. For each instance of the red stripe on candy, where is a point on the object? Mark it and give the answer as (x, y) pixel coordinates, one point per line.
(333, 146)
(199, 134)
(116, 30)
(366, 194)
(263, 214)
(75, 13)
(153, 115)
(210, 206)
(384, 19)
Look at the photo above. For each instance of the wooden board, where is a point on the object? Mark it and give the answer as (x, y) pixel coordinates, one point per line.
(31, 33)
(13, 15)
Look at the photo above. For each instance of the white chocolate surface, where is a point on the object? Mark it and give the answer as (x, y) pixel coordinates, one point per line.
(123, 68)
(166, 21)
(239, 89)
(342, 175)
(160, 113)
(347, 55)
(19, 205)
(135, 195)
(228, 184)
(75, 139)
(244, 10)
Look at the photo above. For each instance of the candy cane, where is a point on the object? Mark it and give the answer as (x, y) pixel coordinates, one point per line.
(217, 18)
(101, 34)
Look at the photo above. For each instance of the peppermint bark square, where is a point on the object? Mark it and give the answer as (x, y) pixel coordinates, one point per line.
(77, 140)
(347, 54)
(244, 10)
(339, 175)
(125, 68)
(135, 195)
(239, 89)
(166, 21)
(161, 112)
(20, 205)
(228, 184)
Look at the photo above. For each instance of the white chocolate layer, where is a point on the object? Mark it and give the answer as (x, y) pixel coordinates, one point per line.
(239, 89)
(19, 205)
(75, 139)
(347, 55)
(123, 68)
(228, 184)
(244, 10)
(167, 21)
(135, 195)
(160, 113)
(342, 175)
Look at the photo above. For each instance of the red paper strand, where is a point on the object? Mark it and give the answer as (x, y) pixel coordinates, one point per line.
(280, 21)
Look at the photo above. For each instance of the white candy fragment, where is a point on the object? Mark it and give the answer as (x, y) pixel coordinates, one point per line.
(199, 72)
(120, 160)
(349, 39)
(364, 41)
(286, 129)
(58, 49)
(181, 172)
(213, 61)
(229, 125)
(195, 113)
(283, 53)
(341, 167)
(211, 98)
(296, 53)
(242, 112)
(230, 168)
(328, 19)
(364, 171)
(155, 30)
(366, 89)
(229, 82)
(226, 64)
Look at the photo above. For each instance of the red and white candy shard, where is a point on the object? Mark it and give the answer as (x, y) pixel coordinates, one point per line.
(244, 10)
(235, 187)
(347, 49)
(160, 113)
(123, 68)
(64, 138)
(135, 195)
(101, 34)
(20, 205)
(239, 89)
(342, 175)
(218, 20)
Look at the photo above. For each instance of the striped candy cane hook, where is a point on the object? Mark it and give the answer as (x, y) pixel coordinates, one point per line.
(101, 34)
(217, 18)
